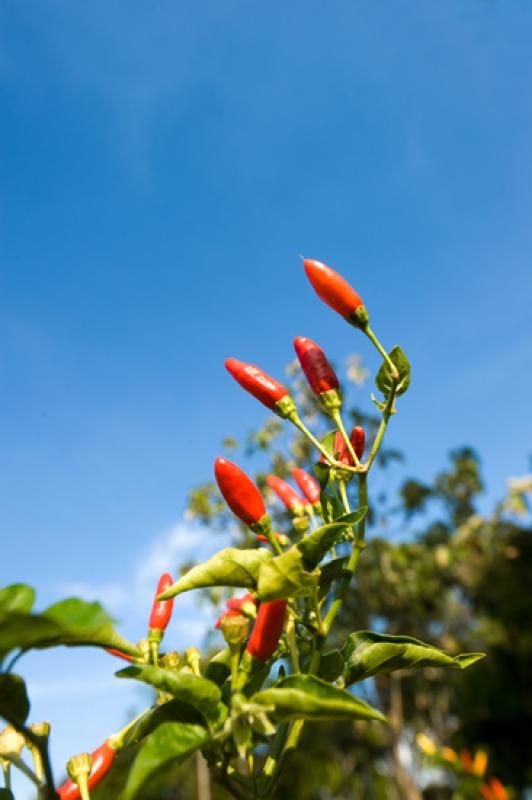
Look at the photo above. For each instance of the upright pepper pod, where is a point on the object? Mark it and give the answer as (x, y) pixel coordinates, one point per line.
(320, 375)
(160, 616)
(289, 496)
(267, 390)
(308, 485)
(267, 630)
(102, 761)
(336, 292)
(357, 438)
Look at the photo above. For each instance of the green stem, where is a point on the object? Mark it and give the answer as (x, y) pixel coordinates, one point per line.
(343, 494)
(19, 764)
(292, 643)
(6, 769)
(276, 750)
(154, 651)
(386, 414)
(337, 417)
(84, 789)
(296, 420)
(371, 336)
(312, 516)
(41, 743)
(234, 650)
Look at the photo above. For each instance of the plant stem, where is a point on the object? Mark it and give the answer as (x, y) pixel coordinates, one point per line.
(23, 767)
(386, 414)
(41, 743)
(292, 643)
(154, 651)
(343, 494)
(371, 336)
(276, 749)
(312, 516)
(6, 769)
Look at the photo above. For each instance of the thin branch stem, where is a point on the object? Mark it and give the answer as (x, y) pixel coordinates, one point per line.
(23, 767)
(373, 339)
(386, 414)
(343, 495)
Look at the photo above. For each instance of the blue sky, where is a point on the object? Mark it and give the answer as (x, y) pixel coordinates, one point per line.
(162, 166)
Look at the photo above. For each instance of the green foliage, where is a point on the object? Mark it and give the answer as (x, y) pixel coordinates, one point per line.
(200, 693)
(17, 597)
(384, 380)
(308, 697)
(71, 622)
(367, 653)
(289, 574)
(170, 742)
(229, 567)
(14, 703)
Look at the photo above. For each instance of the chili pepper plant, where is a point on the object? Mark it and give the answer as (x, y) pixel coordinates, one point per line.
(244, 708)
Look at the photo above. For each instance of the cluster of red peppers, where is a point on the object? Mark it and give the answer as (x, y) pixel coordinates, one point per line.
(240, 492)
(246, 502)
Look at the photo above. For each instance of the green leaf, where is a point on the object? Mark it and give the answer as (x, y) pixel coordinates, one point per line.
(6, 794)
(172, 711)
(328, 442)
(367, 653)
(17, 597)
(14, 703)
(171, 741)
(286, 576)
(331, 571)
(331, 666)
(72, 622)
(330, 507)
(384, 376)
(315, 546)
(322, 472)
(307, 697)
(294, 573)
(219, 667)
(198, 692)
(229, 567)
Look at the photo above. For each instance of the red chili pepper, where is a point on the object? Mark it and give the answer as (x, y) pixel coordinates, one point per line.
(307, 484)
(118, 654)
(257, 383)
(267, 630)
(102, 760)
(332, 288)
(319, 373)
(284, 491)
(358, 440)
(162, 609)
(239, 492)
